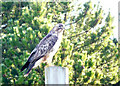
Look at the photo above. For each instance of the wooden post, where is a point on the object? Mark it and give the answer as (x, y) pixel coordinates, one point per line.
(56, 75)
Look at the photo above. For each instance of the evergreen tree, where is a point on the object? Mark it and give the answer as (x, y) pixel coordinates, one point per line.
(86, 49)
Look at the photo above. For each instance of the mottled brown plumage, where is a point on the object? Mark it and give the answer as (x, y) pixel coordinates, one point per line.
(45, 50)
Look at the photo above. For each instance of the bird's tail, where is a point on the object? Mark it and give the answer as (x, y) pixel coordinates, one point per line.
(29, 67)
(25, 66)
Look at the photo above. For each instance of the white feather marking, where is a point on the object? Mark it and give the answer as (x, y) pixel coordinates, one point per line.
(55, 48)
(37, 63)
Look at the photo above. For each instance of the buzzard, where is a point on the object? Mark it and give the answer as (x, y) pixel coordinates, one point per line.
(45, 50)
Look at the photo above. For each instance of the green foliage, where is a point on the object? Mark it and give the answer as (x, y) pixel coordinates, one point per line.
(86, 48)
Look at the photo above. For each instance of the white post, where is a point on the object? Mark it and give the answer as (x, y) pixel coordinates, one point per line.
(56, 75)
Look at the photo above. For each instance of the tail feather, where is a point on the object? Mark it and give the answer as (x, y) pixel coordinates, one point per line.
(29, 68)
(25, 66)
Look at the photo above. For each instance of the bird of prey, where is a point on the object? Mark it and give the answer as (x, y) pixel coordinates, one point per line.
(46, 49)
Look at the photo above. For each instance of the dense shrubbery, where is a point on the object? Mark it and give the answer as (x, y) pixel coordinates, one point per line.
(86, 48)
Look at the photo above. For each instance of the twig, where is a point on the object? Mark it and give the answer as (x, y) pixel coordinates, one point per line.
(78, 19)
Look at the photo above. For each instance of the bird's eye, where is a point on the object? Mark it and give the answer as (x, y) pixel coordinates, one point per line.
(60, 26)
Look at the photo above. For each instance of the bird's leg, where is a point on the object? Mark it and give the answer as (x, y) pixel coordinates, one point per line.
(49, 63)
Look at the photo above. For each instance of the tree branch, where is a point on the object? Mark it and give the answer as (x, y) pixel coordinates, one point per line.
(77, 19)
(79, 34)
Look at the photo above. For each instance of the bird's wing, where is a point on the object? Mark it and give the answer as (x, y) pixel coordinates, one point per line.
(43, 47)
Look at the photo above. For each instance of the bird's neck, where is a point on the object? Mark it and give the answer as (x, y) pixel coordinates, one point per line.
(58, 34)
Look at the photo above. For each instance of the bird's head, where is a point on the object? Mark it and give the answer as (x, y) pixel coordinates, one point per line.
(58, 28)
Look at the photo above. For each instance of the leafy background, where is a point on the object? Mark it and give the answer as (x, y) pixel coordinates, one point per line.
(86, 49)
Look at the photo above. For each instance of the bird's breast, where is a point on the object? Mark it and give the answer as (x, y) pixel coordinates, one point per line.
(55, 47)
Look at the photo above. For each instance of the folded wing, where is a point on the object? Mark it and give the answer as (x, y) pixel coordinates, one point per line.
(45, 45)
